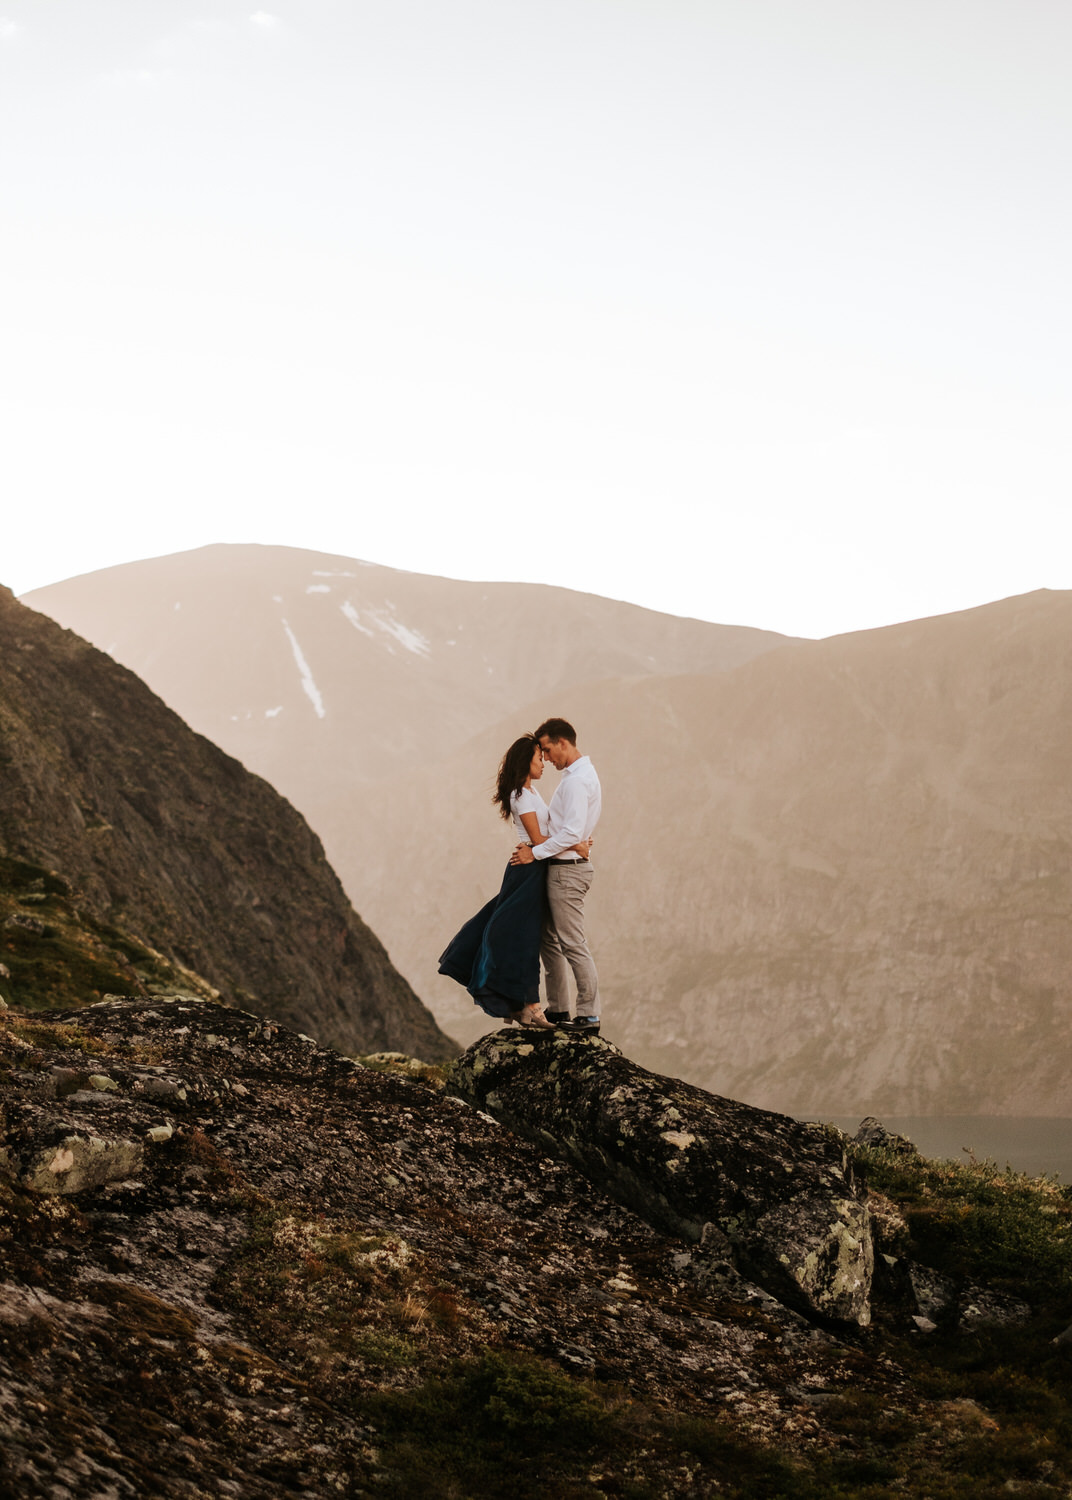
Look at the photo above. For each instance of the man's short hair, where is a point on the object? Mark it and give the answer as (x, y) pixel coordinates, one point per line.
(557, 729)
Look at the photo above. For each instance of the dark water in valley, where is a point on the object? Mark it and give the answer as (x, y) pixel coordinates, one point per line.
(1034, 1145)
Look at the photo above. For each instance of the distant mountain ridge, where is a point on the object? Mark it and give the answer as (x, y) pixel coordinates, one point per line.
(177, 845)
(322, 672)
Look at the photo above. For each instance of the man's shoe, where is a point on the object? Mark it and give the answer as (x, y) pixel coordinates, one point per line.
(557, 1017)
(581, 1026)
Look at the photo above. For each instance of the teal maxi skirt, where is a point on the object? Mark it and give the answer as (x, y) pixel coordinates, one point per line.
(496, 955)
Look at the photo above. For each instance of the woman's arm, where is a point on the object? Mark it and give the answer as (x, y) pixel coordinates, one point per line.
(531, 826)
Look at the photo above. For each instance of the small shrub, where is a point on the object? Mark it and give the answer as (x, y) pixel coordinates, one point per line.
(502, 1424)
(385, 1351)
(515, 1394)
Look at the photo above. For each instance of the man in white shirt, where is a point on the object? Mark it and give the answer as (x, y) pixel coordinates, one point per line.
(574, 810)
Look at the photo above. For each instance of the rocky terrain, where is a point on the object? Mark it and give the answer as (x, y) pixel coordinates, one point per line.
(132, 851)
(236, 1263)
(832, 876)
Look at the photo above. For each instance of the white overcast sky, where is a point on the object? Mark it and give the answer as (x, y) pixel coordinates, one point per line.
(755, 310)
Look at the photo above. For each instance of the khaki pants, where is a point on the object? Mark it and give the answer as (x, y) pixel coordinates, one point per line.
(563, 946)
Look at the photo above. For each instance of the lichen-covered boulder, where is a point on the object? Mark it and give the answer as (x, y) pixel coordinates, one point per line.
(780, 1191)
(81, 1161)
(873, 1133)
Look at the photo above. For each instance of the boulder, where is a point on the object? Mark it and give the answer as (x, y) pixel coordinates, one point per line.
(981, 1307)
(780, 1191)
(873, 1133)
(77, 1162)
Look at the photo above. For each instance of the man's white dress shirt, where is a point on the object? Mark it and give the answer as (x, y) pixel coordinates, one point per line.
(575, 809)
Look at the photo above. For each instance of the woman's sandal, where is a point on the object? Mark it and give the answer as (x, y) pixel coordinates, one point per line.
(532, 1015)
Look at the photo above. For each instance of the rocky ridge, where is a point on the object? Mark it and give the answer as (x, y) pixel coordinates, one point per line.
(238, 1263)
(191, 862)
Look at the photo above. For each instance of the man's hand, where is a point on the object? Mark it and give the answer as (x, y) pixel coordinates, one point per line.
(522, 855)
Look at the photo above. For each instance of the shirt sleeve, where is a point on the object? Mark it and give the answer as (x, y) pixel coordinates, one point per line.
(573, 808)
(525, 801)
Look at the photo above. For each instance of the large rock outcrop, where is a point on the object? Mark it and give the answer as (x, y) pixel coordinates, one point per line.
(779, 1193)
(176, 844)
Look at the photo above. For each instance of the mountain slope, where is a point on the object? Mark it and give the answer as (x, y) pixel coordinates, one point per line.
(173, 841)
(836, 879)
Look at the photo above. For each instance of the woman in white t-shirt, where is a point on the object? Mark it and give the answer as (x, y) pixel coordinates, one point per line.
(496, 955)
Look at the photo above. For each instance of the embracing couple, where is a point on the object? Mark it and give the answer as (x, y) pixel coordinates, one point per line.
(539, 911)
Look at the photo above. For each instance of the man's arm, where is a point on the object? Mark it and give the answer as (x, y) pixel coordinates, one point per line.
(570, 813)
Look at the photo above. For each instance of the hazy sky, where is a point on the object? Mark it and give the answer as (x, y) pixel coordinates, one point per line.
(755, 310)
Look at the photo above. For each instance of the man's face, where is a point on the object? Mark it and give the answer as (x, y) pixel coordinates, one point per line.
(555, 751)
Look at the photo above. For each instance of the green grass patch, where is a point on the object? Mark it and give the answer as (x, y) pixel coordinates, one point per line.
(432, 1075)
(500, 1424)
(54, 1036)
(1001, 1228)
(991, 1410)
(508, 1424)
(386, 1351)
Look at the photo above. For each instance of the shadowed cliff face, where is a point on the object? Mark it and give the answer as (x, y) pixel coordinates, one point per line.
(170, 840)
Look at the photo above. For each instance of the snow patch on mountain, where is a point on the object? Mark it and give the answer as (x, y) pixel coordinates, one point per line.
(309, 686)
(412, 640)
(355, 619)
(384, 620)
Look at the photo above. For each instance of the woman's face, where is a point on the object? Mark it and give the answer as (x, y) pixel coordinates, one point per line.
(536, 765)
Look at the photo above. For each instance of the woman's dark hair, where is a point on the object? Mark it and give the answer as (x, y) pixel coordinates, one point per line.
(513, 771)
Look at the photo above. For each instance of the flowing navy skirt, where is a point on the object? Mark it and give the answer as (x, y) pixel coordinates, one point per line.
(496, 955)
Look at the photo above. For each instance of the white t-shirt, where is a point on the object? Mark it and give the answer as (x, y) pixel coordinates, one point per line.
(528, 800)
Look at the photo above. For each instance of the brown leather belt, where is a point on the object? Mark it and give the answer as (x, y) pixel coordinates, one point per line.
(566, 861)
